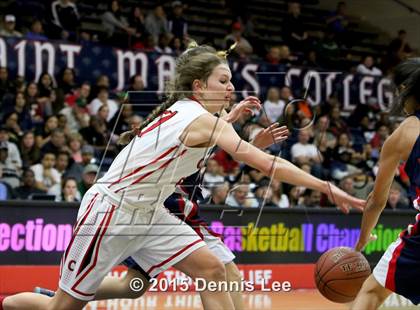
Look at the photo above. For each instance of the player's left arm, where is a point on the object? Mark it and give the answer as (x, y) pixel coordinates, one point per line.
(393, 151)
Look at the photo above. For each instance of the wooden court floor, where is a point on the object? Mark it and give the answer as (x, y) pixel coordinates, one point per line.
(294, 300)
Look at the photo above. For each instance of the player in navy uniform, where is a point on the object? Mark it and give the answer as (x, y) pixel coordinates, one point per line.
(399, 268)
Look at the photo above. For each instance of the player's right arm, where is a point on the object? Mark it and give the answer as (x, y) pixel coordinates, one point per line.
(395, 149)
(209, 130)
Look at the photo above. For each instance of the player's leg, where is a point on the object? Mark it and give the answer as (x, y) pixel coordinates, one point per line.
(371, 295)
(171, 242)
(233, 275)
(115, 287)
(202, 263)
(33, 301)
(226, 256)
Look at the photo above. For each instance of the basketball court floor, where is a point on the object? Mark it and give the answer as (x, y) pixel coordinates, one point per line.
(294, 300)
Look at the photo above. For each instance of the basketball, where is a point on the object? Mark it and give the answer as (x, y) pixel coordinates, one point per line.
(340, 273)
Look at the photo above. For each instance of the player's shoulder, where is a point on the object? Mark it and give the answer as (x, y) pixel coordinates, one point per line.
(187, 105)
(405, 136)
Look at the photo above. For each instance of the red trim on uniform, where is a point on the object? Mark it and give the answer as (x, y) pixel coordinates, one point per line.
(164, 165)
(108, 219)
(88, 209)
(211, 232)
(92, 244)
(173, 256)
(141, 167)
(392, 266)
(165, 116)
(196, 226)
(1, 302)
(181, 205)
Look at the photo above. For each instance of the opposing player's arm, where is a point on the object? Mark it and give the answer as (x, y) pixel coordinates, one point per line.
(395, 149)
(209, 130)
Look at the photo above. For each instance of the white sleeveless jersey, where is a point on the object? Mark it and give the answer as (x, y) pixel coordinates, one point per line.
(148, 169)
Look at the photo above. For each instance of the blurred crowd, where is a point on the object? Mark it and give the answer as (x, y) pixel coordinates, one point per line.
(58, 134)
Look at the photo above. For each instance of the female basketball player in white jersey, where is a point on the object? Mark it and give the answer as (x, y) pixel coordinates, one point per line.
(398, 270)
(122, 215)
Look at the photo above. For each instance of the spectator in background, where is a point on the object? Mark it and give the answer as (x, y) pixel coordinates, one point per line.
(311, 59)
(347, 185)
(122, 122)
(213, 175)
(163, 44)
(65, 19)
(11, 123)
(116, 25)
(43, 133)
(243, 48)
(98, 136)
(101, 82)
(380, 136)
(87, 157)
(294, 32)
(398, 50)
(8, 171)
(36, 32)
(240, 196)
(9, 24)
(62, 163)
(368, 67)
(28, 187)
(69, 192)
(286, 94)
(395, 200)
(44, 96)
(218, 194)
(274, 106)
(341, 167)
(13, 157)
(280, 199)
(66, 84)
(225, 161)
(76, 110)
(304, 152)
(102, 115)
(56, 144)
(264, 195)
(103, 99)
(311, 199)
(337, 124)
(6, 84)
(338, 21)
(156, 22)
(177, 24)
(88, 178)
(137, 22)
(22, 110)
(75, 141)
(45, 173)
(30, 152)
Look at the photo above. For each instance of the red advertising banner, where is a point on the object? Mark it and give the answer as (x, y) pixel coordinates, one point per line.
(256, 277)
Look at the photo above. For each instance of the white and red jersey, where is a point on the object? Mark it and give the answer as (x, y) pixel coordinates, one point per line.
(147, 170)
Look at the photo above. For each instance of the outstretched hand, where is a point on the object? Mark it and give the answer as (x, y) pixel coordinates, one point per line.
(362, 242)
(271, 135)
(245, 106)
(343, 200)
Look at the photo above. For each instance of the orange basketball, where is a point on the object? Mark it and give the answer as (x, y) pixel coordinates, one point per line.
(340, 273)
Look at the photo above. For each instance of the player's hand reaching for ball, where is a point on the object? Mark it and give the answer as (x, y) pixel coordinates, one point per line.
(245, 106)
(363, 241)
(343, 200)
